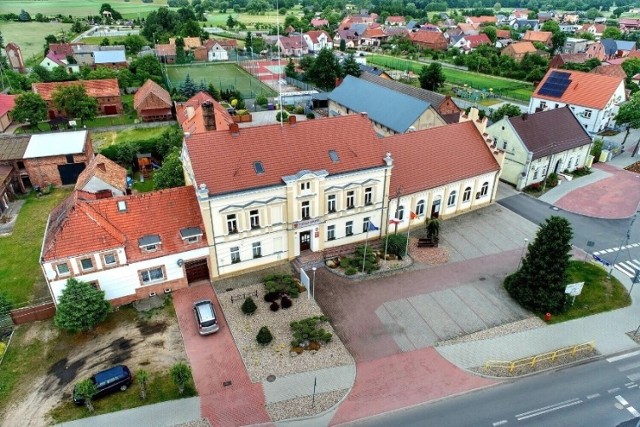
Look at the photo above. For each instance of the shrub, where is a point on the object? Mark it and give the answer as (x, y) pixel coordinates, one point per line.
(264, 336)
(433, 228)
(286, 302)
(262, 100)
(271, 296)
(596, 150)
(297, 350)
(307, 330)
(299, 110)
(249, 306)
(311, 116)
(552, 180)
(350, 271)
(282, 116)
(396, 244)
(274, 306)
(313, 345)
(281, 284)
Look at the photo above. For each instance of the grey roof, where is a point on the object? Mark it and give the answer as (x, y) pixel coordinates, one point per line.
(432, 98)
(150, 239)
(371, 70)
(13, 147)
(610, 46)
(109, 56)
(385, 106)
(358, 28)
(412, 24)
(625, 45)
(185, 233)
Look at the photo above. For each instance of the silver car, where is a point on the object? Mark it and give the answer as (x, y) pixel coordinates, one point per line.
(206, 317)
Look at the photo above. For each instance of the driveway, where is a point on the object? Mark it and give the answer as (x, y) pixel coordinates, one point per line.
(228, 398)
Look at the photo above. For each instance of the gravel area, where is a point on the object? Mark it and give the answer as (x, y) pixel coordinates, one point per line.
(301, 407)
(532, 322)
(274, 359)
(202, 422)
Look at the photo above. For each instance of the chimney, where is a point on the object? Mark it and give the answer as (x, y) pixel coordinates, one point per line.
(292, 120)
(338, 81)
(234, 129)
(203, 191)
(525, 116)
(208, 115)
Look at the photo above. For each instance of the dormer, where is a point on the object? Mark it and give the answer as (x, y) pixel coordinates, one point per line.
(149, 243)
(191, 235)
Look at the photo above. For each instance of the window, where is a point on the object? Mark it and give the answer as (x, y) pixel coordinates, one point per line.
(420, 208)
(94, 284)
(485, 189)
(150, 248)
(365, 225)
(110, 259)
(235, 255)
(543, 105)
(400, 213)
(152, 275)
(232, 223)
(333, 155)
(257, 166)
(466, 196)
(331, 203)
(348, 229)
(257, 250)
(69, 158)
(577, 161)
(63, 269)
(452, 198)
(192, 239)
(351, 199)
(86, 264)
(504, 144)
(305, 186)
(368, 196)
(587, 114)
(331, 232)
(544, 170)
(535, 174)
(569, 162)
(306, 210)
(254, 218)
(122, 206)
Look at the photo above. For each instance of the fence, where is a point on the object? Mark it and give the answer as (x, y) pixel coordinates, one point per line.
(300, 84)
(6, 349)
(33, 313)
(244, 296)
(511, 366)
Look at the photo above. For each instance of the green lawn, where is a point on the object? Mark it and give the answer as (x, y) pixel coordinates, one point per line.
(270, 17)
(511, 88)
(129, 9)
(600, 293)
(142, 187)
(29, 35)
(113, 40)
(104, 139)
(20, 252)
(223, 76)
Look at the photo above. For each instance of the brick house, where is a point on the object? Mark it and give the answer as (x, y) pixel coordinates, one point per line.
(6, 105)
(152, 102)
(103, 178)
(131, 247)
(202, 113)
(517, 51)
(106, 92)
(429, 40)
(13, 175)
(166, 53)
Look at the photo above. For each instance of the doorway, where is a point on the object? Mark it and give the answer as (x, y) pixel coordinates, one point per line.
(305, 240)
(557, 168)
(196, 270)
(435, 208)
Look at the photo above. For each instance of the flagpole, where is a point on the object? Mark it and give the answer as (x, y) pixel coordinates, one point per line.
(386, 242)
(406, 251)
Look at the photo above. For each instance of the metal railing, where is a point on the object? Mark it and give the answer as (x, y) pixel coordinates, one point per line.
(532, 361)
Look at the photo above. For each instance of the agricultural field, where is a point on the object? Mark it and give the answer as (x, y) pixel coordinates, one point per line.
(223, 76)
(112, 39)
(130, 9)
(30, 35)
(509, 88)
(250, 20)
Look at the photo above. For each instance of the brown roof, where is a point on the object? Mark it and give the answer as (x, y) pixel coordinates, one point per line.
(5, 172)
(94, 88)
(78, 226)
(580, 90)
(503, 34)
(430, 158)
(565, 58)
(189, 42)
(549, 132)
(189, 114)
(483, 19)
(427, 37)
(521, 48)
(106, 170)
(13, 147)
(538, 36)
(166, 49)
(610, 70)
(226, 162)
(152, 95)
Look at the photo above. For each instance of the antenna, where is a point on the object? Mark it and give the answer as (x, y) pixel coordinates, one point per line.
(279, 61)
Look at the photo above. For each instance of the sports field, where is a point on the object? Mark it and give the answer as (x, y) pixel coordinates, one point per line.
(30, 35)
(223, 76)
(270, 17)
(510, 88)
(129, 9)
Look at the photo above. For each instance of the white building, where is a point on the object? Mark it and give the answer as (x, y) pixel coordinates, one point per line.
(317, 40)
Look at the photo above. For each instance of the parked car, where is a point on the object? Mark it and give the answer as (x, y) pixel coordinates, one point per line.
(206, 317)
(107, 382)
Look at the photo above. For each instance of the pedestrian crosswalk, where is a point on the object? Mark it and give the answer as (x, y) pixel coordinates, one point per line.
(629, 267)
(612, 250)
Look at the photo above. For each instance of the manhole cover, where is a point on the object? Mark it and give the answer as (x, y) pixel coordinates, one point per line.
(226, 383)
(271, 378)
(483, 279)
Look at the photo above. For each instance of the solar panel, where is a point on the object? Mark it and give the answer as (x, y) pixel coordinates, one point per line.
(556, 84)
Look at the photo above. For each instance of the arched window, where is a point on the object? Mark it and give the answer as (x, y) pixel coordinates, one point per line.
(420, 208)
(452, 198)
(401, 212)
(485, 189)
(466, 196)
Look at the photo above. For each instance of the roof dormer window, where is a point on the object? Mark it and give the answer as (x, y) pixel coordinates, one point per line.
(191, 235)
(149, 243)
(122, 205)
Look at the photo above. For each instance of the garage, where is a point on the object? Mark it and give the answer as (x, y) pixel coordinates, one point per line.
(196, 270)
(69, 173)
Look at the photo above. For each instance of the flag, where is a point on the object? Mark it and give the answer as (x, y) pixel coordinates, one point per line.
(395, 221)
(372, 227)
(413, 215)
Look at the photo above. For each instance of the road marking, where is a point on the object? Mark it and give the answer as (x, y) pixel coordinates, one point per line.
(610, 250)
(499, 423)
(621, 400)
(624, 268)
(632, 386)
(623, 356)
(629, 366)
(613, 390)
(547, 409)
(593, 396)
(633, 411)
(634, 377)
(628, 384)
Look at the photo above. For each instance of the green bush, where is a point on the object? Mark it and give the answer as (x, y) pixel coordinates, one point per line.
(264, 336)
(307, 330)
(249, 306)
(282, 116)
(552, 180)
(299, 110)
(596, 149)
(311, 116)
(350, 271)
(396, 244)
(281, 284)
(262, 100)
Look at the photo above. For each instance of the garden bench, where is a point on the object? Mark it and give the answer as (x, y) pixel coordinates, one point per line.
(428, 242)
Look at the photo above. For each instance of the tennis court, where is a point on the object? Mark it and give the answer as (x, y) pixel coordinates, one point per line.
(222, 76)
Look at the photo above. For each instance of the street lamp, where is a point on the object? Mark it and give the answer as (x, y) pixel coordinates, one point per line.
(524, 248)
(313, 284)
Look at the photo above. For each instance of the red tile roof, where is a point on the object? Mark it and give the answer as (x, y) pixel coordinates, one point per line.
(521, 48)
(427, 37)
(106, 170)
(225, 162)
(151, 96)
(313, 35)
(6, 103)
(581, 89)
(166, 49)
(503, 34)
(477, 40)
(189, 114)
(483, 19)
(538, 36)
(395, 19)
(94, 88)
(61, 49)
(430, 158)
(610, 70)
(317, 22)
(78, 227)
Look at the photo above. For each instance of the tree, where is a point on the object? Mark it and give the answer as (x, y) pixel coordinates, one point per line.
(264, 336)
(143, 378)
(214, 92)
(75, 103)
(593, 13)
(188, 87)
(170, 173)
(114, 13)
(105, 42)
(350, 67)
(539, 284)
(86, 390)
(146, 67)
(343, 45)
(231, 22)
(491, 32)
(612, 33)
(629, 114)
(133, 43)
(24, 16)
(508, 110)
(181, 375)
(29, 107)
(3, 59)
(431, 77)
(290, 69)
(325, 70)
(81, 307)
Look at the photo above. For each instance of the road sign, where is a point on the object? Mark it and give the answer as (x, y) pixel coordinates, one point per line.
(574, 289)
(605, 263)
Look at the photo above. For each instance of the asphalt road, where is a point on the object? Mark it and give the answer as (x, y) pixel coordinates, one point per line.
(603, 393)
